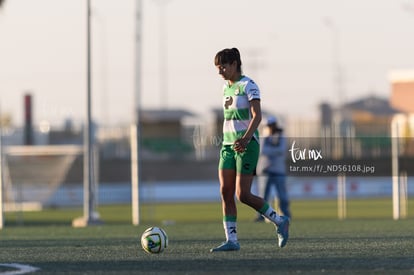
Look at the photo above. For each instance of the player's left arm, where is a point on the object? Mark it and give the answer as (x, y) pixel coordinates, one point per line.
(256, 113)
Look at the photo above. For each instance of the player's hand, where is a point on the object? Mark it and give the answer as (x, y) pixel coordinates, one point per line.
(240, 145)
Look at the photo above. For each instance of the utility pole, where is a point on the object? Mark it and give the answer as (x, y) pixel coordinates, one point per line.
(135, 127)
(89, 215)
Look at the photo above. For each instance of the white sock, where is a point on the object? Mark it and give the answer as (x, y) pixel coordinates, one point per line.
(230, 230)
(272, 215)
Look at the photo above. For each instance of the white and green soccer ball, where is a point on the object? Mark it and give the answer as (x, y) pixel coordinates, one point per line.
(154, 240)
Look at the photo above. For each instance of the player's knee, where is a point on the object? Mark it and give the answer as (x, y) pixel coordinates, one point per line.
(243, 196)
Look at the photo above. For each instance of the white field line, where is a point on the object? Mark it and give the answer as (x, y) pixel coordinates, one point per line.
(20, 269)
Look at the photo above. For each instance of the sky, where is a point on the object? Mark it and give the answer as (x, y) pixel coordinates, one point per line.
(295, 50)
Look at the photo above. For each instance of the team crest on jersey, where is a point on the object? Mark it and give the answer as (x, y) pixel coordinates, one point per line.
(237, 91)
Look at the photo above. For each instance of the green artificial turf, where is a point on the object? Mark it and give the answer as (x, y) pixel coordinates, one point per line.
(369, 241)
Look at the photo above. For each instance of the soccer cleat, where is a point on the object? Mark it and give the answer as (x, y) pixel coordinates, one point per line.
(282, 231)
(226, 246)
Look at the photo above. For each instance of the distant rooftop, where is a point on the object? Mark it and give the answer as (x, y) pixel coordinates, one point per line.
(157, 115)
(372, 104)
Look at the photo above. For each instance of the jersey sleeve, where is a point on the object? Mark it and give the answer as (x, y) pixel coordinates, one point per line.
(252, 91)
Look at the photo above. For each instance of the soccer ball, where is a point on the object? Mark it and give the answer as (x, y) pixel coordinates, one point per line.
(154, 240)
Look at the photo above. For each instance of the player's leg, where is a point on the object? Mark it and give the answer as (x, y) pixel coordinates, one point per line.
(282, 222)
(227, 189)
(268, 185)
(245, 166)
(227, 177)
(244, 195)
(243, 191)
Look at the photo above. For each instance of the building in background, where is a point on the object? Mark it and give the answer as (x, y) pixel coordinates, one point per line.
(402, 98)
(402, 90)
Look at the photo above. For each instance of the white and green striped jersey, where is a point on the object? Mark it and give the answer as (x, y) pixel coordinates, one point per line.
(236, 104)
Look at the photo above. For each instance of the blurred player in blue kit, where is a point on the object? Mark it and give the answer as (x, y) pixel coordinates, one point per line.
(272, 165)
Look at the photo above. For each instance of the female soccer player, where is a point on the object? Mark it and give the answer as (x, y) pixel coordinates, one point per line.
(240, 150)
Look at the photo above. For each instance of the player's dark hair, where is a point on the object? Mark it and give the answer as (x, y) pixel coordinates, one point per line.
(228, 56)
